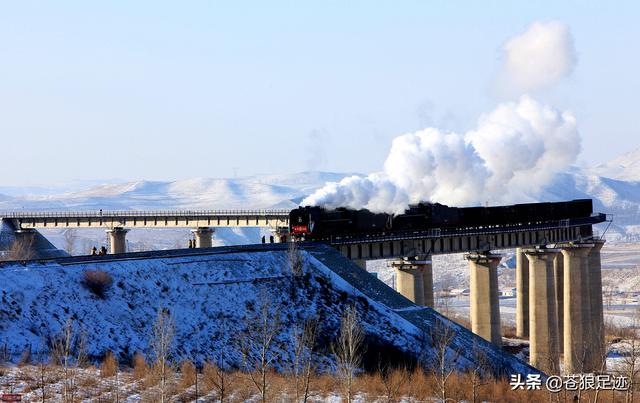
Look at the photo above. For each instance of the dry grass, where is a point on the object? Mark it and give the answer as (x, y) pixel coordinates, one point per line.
(613, 332)
(140, 367)
(509, 331)
(188, 374)
(389, 386)
(97, 281)
(109, 365)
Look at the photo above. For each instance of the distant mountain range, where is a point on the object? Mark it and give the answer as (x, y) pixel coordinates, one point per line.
(614, 186)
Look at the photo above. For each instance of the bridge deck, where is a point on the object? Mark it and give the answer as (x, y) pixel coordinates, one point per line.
(435, 242)
(149, 219)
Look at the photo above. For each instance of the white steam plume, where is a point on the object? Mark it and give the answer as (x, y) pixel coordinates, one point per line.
(512, 153)
(539, 57)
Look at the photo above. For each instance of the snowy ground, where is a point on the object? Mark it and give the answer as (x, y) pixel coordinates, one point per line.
(31, 381)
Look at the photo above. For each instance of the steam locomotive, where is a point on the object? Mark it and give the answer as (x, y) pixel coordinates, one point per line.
(318, 224)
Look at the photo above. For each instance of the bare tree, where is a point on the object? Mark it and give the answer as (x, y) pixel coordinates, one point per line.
(478, 371)
(44, 374)
(257, 344)
(217, 374)
(349, 349)
(21, 249)
(631, 367)
(69, 351)
(601, 362)
(162, 339)
(445, 356)
(295, 260)
(69, 236)
(304, 338)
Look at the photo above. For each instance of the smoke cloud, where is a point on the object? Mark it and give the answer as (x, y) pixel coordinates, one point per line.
(539, 57)
(508, 157)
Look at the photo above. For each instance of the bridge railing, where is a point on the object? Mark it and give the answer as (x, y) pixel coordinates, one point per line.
(141, 213)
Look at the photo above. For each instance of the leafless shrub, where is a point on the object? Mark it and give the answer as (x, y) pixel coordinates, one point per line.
(25, 357)
(348, 350)
(97, 281)
(218, 380)
(392, 380)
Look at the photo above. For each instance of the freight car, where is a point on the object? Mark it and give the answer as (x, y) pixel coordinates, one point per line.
(316, 223)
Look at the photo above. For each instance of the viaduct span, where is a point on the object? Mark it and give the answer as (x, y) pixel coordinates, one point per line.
(118, 223)
(558, 269)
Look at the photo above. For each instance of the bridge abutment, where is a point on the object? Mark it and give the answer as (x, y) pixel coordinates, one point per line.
(485, 308)
(543, 323)
(117, 240)
(522, 294)
(203, 237)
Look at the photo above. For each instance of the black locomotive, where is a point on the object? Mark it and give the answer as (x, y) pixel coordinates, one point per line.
(317, 224)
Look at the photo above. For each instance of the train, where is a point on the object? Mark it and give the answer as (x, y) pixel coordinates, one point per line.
(312, 223)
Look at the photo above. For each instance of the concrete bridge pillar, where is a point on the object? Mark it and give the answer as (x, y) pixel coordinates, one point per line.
(409, 281)
(543, 324)
(117, 241)
(558, 278)
(522, 294)
(414, 280)
(485, 309)
(576, 308)
(597, 314)
(426, 265)
(203, 237)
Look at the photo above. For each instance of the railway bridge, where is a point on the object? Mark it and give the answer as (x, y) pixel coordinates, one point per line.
(118, 223)
(559, 283)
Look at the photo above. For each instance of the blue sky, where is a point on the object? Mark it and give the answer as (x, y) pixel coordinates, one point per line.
(171, 90)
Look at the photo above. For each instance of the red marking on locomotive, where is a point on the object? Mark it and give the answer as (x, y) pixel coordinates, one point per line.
(10, 397)
(300, 229)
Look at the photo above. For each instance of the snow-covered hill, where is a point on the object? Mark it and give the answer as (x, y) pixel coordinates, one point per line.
(216, 297)
(266, 191)
(625, 167)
